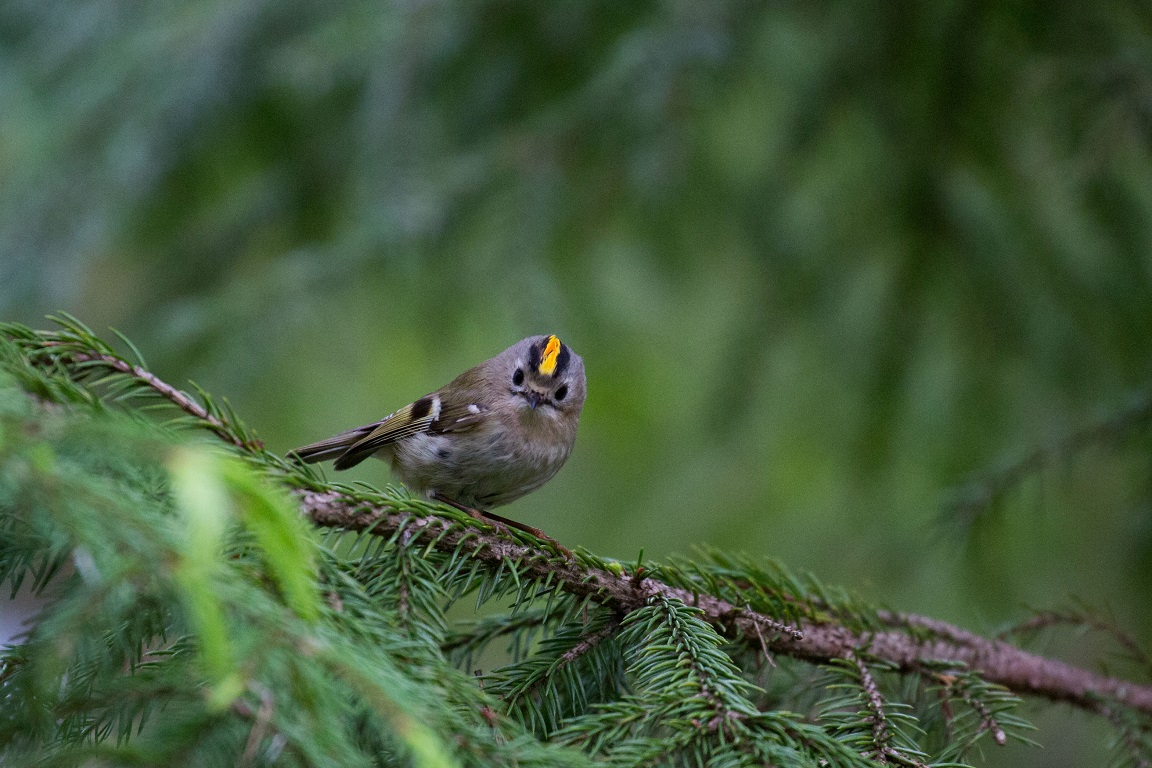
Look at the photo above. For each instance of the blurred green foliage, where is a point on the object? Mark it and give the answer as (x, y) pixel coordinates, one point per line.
(823, 260)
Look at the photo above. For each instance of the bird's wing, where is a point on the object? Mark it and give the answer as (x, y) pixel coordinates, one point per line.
(332, 446)
(459, 417)
(432, 413)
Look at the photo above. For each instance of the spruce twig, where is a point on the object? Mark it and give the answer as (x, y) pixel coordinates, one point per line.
(986, 708)
(180, 399)
(863, 718)
(573, 654)
(881, 735)
(79, 350)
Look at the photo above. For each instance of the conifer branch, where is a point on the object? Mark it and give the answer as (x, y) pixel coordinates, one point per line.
(582, 647)
(484, 631)
(720, 703)
(80, 351)
(986, 708)
(999, 662)
(907, 643)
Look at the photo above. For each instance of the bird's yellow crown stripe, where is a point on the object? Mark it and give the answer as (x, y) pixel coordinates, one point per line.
(548, 359)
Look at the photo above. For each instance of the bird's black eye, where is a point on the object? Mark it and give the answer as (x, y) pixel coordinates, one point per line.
(561, 393)
(518, 377)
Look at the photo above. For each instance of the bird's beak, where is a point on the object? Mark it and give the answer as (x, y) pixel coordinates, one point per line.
(533, 398)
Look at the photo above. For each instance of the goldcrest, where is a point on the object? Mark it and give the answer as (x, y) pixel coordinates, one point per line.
(494, 433)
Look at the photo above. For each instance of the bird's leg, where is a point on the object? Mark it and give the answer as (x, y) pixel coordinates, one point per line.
(534, 531)
(475, 514)
(503, 522)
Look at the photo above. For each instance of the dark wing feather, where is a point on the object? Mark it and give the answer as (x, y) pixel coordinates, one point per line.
(410, 420)
(434, 414)
(332, 447)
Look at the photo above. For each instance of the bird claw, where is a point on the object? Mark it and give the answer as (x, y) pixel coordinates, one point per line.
(502, 524)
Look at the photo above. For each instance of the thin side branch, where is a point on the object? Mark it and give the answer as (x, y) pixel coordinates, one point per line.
(880, 733)
(987, 721)
(1131, 736)
(1049, 618)
(179, 398)
(977, 495)
(585, 644)
(588, 642)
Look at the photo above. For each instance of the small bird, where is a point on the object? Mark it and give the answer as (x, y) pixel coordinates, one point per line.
(494, 433)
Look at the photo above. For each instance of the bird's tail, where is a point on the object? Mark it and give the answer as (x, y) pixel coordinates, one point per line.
(331, 448)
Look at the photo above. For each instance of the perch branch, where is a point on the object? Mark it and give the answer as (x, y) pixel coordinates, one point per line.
(998, 662)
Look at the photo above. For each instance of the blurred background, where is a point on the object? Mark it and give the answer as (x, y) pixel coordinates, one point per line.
(825, 262)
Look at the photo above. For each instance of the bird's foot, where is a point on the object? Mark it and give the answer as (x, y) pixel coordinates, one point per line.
(475, 514)
(502, 524)
(534, 531)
